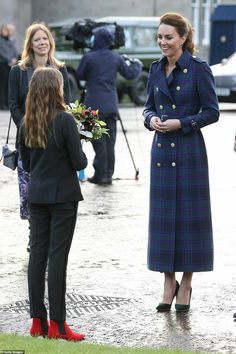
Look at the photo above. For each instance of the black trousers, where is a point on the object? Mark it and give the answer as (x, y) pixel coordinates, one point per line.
(104, 160)
(51, 231)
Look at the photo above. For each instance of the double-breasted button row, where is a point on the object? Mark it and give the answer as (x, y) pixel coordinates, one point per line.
(173, 106)
(171, 144)
(173, 164)
(177, 88)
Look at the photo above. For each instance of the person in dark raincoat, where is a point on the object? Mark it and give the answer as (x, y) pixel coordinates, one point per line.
(8, 57)
(99, 69)
(181, 100)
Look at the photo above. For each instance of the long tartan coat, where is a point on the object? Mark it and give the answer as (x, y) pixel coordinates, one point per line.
(180, 225)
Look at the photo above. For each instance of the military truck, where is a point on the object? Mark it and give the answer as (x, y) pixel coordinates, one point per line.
(140, 42)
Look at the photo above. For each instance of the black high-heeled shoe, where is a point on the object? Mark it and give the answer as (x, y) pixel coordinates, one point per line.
(184, 308)
(164, 307)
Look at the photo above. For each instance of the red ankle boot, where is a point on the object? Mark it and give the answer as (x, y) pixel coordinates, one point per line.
(63, 331)
(39, 327)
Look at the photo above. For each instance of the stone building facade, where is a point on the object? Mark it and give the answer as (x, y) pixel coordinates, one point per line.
(23, 12)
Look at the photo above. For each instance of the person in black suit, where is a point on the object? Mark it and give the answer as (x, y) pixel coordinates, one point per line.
(51, 152)
(38, 51)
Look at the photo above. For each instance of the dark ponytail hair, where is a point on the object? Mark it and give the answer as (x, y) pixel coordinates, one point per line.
(182, 26)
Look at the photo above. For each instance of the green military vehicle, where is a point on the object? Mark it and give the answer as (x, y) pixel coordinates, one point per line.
(140, 42)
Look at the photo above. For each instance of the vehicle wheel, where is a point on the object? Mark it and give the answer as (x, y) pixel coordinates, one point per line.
(138, 89)
(74, 89)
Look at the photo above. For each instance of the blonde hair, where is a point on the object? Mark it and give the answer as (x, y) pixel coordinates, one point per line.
(27, 56)
(44, 100)
(182, 26)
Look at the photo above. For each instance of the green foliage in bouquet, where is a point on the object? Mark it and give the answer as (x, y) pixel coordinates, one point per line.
(87, 119)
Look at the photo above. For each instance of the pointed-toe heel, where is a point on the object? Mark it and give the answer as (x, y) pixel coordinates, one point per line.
(164, 307)
(63, 331)
(39, 327)
(184, 308)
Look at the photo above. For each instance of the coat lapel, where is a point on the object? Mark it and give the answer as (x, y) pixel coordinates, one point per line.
(162, 81)
(163, 87)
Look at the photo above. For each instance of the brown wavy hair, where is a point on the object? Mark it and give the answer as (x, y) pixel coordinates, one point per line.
(44, 100)
(182, 26)
(27, 56)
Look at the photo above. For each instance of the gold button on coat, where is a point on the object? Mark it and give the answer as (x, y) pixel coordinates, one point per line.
(172, 145)
(173, 164)
(173, 106)
(158, 164)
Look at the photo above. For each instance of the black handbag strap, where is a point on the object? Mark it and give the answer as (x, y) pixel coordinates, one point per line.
(8, 132)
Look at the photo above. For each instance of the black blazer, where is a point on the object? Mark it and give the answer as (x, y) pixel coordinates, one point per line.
(18, 89)
(53, 177)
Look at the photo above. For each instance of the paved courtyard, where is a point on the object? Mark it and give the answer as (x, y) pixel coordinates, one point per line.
(111, 296)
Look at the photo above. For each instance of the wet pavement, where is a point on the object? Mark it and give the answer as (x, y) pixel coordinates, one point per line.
(111, 295)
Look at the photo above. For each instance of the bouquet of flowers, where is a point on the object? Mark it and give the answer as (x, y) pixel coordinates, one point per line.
(87, 119)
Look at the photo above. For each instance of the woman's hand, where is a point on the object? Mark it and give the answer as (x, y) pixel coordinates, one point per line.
(168, 125)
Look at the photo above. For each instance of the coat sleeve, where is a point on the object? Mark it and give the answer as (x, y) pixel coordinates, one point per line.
(149, 108)
(209, 113)
(3, 54)
(66, 88)
(77, 157)
(14, 95)
(24, 151)
(129, 69)
(81, 71)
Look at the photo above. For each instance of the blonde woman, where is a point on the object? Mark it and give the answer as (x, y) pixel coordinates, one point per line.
(38, 51)
(51, 152)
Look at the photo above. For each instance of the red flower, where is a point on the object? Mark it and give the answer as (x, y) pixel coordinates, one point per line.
(94, 112)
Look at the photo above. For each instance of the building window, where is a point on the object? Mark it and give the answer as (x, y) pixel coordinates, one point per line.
(195, 19)
(201, 15)
(206, 11)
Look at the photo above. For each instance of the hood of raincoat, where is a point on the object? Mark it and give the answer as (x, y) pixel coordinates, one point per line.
(102, 39)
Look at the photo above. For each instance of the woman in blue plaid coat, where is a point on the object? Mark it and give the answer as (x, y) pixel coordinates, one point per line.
(181, 100)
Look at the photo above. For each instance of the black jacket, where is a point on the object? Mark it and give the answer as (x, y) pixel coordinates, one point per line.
(18, 89)
(53, 177)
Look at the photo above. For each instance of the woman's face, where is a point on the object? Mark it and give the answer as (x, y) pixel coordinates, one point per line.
(169, 40)
(40, 43)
